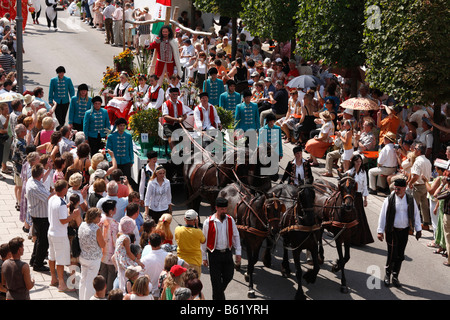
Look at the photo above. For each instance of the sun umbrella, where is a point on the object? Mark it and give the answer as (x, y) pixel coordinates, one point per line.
(363, 104)
(304, 81)
(10, 96)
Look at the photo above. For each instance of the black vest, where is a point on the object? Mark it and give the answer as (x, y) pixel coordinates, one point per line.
(390, 213)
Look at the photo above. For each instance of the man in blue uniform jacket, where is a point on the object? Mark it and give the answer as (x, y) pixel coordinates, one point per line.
(60, 92)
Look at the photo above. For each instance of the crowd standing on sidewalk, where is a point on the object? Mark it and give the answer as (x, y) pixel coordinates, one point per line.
(76, 199)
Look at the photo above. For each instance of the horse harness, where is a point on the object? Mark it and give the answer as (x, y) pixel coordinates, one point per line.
(246, 217)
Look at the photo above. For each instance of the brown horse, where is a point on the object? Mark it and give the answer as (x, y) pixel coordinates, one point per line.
(257, 218)
(204, 180)
(336, 207)
(301, 229)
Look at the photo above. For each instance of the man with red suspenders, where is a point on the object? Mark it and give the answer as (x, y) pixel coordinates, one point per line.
(221, 236)
(205, 115)
(174, 112)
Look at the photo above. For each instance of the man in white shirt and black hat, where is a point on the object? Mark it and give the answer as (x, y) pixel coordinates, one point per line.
(399, 215)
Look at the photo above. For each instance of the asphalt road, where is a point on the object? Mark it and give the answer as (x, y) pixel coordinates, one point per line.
(85, 56)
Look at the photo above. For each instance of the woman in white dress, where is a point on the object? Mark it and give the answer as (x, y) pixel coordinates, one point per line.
(362, 235)
(120, 104)
(140, 91)
(155, 96)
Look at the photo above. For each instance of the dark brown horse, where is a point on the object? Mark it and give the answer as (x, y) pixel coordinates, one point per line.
(257, 218)
(204, 180)
(336, 207)
(300, 229)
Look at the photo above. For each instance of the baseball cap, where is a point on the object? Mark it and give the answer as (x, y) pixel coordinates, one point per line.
(177, 270)
(190, 214)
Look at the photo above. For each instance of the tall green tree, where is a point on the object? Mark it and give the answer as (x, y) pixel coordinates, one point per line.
(332, 31)
(228, 8)
(409, 49)
(273, 19)
(408, 52)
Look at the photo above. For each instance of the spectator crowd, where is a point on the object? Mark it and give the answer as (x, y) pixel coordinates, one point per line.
(80, 206)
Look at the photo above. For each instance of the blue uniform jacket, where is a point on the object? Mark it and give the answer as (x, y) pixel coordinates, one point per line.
(247, 116)
(96, 122)
(78, 108)
(122, 146)
(60, 90)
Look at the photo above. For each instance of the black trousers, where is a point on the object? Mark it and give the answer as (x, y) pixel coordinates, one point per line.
(40, 249)
(95, 144)
(221, 271)
(77, 126)
(396, 245)
(61, 112)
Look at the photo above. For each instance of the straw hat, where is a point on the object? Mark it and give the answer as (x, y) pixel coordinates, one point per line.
(390, 136)
(325, 115)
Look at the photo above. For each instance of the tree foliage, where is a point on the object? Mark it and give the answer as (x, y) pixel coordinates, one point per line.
(331, 31)
(273, 19)
(408, 53)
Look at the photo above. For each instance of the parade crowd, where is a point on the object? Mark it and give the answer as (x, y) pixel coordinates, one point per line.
(72, 158)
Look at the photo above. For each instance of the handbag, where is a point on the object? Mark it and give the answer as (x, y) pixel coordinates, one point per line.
(76, 249)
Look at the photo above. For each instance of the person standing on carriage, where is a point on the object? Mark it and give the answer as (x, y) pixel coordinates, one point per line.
(399, 215)
(174, 112)
(298, 171)
(221, 236)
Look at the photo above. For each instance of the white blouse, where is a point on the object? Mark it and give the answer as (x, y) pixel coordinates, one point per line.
(361, 179)
(158, 197)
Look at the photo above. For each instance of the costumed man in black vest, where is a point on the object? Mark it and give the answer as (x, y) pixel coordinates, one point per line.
(399, 215)
(298, 171)
(221, 236)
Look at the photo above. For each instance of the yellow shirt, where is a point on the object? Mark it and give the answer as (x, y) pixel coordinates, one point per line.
(188, 244)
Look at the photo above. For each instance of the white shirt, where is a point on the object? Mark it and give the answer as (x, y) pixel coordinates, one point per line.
(158, 197)
(222, 236)
(421, 166)
(206, 124)
(401, 220)
(57, 210)
(159, 101)
(142, 182)
(387, 156)
(361, 179)
(153, 261)
(426, 138)
(187, 51)
(165, 109)
(299, 171)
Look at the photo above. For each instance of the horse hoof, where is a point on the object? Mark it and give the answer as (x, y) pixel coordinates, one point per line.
(237, 267)
(344, 289)
(251, 294)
